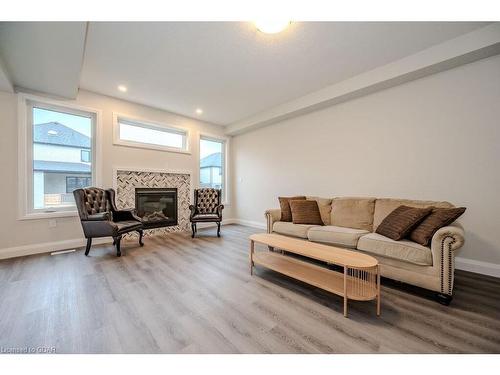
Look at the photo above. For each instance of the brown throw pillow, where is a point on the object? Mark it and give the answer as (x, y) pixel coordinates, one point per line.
(286, 212)
(440, 217)
(400, 222)
(305, 212)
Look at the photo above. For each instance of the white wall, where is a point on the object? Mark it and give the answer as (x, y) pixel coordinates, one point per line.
(435, 138)
(15, 233)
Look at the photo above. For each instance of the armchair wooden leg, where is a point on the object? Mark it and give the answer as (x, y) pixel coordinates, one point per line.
(87, 249)
(117, 242)
(141, 233)
(218, 229)
(192, 230)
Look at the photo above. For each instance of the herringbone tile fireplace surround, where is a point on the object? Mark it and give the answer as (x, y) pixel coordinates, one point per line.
(128, 180)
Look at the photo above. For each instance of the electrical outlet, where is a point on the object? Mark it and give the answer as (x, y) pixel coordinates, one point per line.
(52, 223)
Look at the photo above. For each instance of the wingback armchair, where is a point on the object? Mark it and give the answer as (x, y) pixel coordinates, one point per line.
(100, 217)
(207, 208)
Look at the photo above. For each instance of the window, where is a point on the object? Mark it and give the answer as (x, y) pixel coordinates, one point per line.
(212, 163)
(59, 155)
(137, 133)
(85, 156)
(73, 183)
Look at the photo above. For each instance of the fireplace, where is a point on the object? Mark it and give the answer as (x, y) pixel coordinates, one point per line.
(157, 207)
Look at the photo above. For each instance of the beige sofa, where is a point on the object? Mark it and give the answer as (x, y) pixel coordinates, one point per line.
(351, 222)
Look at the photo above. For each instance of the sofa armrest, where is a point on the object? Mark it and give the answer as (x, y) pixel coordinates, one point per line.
(445, 242)
(272, 215)
(452, 234)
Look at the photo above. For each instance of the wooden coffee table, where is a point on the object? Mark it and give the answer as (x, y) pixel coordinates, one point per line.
(360, 280)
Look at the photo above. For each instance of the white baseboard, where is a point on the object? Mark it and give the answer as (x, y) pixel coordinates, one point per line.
(249, 223)
(471, 265)
(210, 225)
(48, 247)
(476, 266)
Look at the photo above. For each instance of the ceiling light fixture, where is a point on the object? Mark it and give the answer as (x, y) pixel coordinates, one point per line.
(199, 111)
(122, 88)
(272, 26)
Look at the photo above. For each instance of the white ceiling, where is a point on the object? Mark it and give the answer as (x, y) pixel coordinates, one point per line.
(233, 71)
(43, 56)
(228, 69)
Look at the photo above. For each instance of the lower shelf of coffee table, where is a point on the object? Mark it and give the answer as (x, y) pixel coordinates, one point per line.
(329, 280)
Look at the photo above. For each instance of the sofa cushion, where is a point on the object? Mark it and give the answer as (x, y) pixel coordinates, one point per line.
(440, 217)
(352, 212)
(384, 206)
(325, 207)
(400, 222)
(291, 229)
(286, 212)
(347, 237)
(305, 212)
(405, 250)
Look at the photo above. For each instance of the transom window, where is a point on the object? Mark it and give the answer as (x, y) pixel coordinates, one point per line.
(137, 133)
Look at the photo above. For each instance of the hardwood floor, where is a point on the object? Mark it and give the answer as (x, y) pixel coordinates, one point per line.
(183, 295)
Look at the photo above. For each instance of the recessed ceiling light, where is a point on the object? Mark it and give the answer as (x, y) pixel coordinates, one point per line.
(199, 111)
(122, 88)
(52, 132)
(272, 26)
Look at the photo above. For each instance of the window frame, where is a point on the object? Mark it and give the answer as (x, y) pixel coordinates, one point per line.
(89, 153)
(148, 124)
(225, 162)
(26, 102)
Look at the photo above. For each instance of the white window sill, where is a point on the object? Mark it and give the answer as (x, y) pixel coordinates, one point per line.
(48, 215)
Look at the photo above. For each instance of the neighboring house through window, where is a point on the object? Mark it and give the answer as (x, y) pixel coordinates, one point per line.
(73, 183)
(61, 155)
(212, 163)
(85, 156)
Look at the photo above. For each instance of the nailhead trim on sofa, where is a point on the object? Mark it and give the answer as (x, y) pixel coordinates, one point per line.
(450, 260)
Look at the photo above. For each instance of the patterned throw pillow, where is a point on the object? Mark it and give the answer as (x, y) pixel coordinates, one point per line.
(400, 222)
(440, 217)
(305, 212)
(286, 212)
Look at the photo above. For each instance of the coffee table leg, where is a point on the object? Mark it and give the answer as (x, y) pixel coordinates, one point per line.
(252, 247)
(345, 291)
(378, 290)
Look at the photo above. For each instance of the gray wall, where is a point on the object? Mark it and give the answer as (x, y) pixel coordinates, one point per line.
(435, 138)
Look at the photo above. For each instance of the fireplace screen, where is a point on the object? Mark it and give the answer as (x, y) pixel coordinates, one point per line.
(157, 207)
